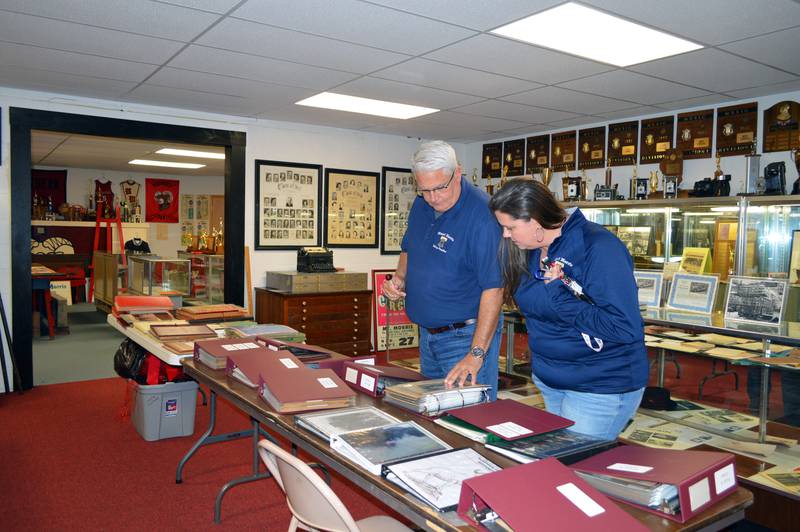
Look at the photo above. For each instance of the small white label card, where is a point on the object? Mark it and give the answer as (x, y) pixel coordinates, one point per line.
(366, 361)
(509, 429)
(248, 345)
(273, 347)
(630, 468)
(724, 479)
(367, 382)
(288, 362)
(327, 382)
(577, 497)
(351, 375)
(699, 494)
(229, 347)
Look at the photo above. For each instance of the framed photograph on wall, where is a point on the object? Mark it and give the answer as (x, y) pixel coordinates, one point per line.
(351, 208)
(756, 299)
(288, 205)
(649, 287)
(695, 293)
(398, 195)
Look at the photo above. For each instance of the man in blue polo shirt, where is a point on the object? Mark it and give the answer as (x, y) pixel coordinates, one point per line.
(449, 273)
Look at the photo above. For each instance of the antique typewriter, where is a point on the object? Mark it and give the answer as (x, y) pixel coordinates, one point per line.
(315, 260)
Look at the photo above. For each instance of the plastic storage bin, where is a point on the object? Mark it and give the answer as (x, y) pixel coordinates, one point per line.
(165, 410)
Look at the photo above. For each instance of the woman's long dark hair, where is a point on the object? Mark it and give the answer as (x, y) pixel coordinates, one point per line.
(523, 199)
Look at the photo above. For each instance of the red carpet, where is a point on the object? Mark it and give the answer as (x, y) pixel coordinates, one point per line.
(68, 462)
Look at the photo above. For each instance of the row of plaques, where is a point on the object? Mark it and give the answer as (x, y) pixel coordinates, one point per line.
(647, 141)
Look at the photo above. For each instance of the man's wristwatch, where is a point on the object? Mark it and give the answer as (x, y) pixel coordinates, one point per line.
(478, 352)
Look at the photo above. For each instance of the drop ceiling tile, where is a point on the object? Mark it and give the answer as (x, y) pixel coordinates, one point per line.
(382, 89)
(155, 19)
(568, 100)
(38, 31)
(37, 58)
(454, 78)
(516, 59)
(763, 90)
(633, 87)
(323, 117)
(709, 21)
(515, 111)
(246, 66)
(421, 130)
(357, 22)
(212, 83)
(485, 137)
(581, 121)
(712, 70)
(24, 78)
(779, 49)
(714, 99)
(468, 122)
(476, 15)
(636, 112)
(195, 100)
(257, 39)
(214, 6)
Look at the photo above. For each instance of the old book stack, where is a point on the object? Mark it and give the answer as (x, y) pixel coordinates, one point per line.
(432, 397)
(214, 353)
(181, 333)
(219, 312)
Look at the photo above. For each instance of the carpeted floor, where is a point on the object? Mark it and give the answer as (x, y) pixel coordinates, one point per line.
(69, 462)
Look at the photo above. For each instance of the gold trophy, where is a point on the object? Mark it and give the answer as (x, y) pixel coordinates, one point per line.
(547, 176)
(585, 181)
(565, 185)
(634, 177)
(474, 177)
(504, 176)
(489, 185)
(653, 182)
(718, 172)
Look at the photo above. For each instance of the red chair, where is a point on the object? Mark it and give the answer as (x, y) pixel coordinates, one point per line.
(76, 276)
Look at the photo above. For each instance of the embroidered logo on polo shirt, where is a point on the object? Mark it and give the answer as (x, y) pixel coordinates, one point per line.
(443, 242)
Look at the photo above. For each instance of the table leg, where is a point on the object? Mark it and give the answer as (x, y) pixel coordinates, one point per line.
(510, 347)
(661, 356)
(48, 303)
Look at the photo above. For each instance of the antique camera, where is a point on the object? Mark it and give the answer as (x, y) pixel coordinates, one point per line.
(642, 187)
(710, 187)
(605, 192)
(775, 179)
(315, 260)
(670, 186)
(575, 189)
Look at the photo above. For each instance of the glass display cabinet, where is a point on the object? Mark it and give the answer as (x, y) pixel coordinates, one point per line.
(216, 279)
(207, 283)
(152, 276)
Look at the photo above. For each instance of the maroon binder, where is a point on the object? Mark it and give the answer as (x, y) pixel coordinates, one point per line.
(372, 379)
(510, 420)
(253, 362)
(337, 362)
(543, 495)
(702, 477)
(216, 351)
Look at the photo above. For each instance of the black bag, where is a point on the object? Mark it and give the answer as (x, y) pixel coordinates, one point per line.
(128, 359)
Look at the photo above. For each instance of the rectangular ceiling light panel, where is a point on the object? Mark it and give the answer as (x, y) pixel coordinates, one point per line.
(168, 164)
(367, 106)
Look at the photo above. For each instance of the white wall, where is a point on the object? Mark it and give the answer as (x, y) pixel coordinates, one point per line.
(80, 179)
(693, 170)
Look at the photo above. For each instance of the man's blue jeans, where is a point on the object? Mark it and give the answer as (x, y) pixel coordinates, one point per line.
(439, 353)
(597, 414)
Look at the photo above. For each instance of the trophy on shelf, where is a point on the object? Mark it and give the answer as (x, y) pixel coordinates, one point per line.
(653, 183)
(504, 175)
(585, 182)
(489, 185)
(606, 191)
(565, 185)
(671, 166)
(723, 180)
(547, 176)
(474, 177)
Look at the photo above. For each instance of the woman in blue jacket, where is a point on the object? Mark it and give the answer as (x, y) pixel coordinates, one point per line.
(573, 281)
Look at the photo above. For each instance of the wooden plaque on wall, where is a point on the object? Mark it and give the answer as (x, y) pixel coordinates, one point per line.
(736, 129)
(623, 138)
(656, 138)
(514, 157)
(781, 129)
(538, 153)
(492, 159)
(562, 152)
(591, 148)
(694, 134)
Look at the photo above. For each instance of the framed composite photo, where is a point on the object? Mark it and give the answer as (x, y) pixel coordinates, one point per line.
(648, 284)
(756, 299)
(287, 204)
(695, 293)
(398, 194)
(351, 208)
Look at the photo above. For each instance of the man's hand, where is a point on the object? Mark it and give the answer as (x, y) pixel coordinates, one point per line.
(467, 368)
(393, 288)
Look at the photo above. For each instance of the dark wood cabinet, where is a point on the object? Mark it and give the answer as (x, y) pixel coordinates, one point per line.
(339, 321)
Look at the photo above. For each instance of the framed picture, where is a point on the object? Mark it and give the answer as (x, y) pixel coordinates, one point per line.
(398, 195)
(636, 239)
(688, 318)
(351, 208)
(649, 287)
(693, 292)
(288, 205)
(402, 332)
(794, 258)
(695, 260)
(755, 299)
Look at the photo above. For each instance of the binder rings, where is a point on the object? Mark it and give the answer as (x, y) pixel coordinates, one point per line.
(700, 477)
(510, 420)
(543, 495)
(373, 380)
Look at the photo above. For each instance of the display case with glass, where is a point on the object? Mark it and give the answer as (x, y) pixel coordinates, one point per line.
(207, 276)
(216, 279)
(152, 276)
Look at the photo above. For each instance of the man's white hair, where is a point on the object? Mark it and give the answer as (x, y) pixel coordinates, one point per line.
(434, 155)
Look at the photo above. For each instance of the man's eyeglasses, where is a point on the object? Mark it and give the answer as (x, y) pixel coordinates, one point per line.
(440, 188)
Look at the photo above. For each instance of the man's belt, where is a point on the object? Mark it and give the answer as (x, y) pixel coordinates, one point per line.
(451, 327)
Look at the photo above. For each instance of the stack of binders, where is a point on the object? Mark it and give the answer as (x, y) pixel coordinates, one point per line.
(214, 353)
(373, 380)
